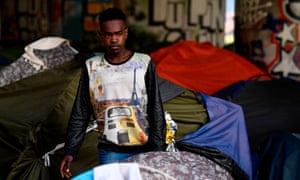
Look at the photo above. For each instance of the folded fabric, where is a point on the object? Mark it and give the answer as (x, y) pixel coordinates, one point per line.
(45, 43)
(120, 171)
(43, 54)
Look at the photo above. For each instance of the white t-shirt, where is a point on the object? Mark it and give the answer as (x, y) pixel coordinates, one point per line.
(119, 98)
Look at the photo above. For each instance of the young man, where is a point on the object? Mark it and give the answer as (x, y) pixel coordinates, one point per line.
(120, 90)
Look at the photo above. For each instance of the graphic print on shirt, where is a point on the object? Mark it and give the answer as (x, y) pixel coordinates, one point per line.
(118, 95)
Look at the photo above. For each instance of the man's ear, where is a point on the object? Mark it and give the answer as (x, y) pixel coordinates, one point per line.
(126, 31)
(99, 34)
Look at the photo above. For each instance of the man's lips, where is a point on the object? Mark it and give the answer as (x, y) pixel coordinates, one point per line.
(114, 47)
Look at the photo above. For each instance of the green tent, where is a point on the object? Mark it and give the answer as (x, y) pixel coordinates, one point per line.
(34, 114)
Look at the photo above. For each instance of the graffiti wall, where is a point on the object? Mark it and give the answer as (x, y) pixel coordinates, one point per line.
(267, 32)
(9, 29)
(90, 21)
(72, 19)
(33, 18)
(173, 20)
(168, 20)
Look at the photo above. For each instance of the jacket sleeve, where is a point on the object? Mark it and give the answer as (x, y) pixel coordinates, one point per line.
(80, 116)
(157, 134)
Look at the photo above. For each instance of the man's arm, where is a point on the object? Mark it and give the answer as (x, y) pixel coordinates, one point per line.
(80, 116)
(155, 111)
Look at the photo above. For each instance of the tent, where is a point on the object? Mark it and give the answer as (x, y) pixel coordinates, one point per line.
(202, 67)
(33, 115)
(280, 156)
(35, 110)
(33, 120)
(159, 165)
(268, 106)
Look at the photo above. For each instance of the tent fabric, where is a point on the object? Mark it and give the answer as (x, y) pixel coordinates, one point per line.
(40, 55)
(128, 171)
(9, 54)
(165, 86)
(179, 165)
(43, 52)
(188, 111)
(31, 110)
(268, 106)
(202, 67)
(4, 61)
(280, 156)
(168, 166)
(186, 108)
(33, 118)
(34, 110)
(205, 69)
(216, 156)
(225, 131)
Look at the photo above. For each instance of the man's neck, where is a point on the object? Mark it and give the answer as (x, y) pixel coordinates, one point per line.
(118, 58)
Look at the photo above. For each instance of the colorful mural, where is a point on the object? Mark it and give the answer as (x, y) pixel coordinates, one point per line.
(267, 32)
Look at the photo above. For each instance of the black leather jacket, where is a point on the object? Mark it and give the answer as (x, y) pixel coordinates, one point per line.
(82, 111)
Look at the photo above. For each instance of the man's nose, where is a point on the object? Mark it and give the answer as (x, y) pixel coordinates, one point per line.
(114, 38)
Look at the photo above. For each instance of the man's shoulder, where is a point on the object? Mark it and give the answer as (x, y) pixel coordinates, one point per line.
(141, 54)
(142, 57)
(95, 57)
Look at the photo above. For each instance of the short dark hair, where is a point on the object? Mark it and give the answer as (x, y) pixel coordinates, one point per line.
(111, 14)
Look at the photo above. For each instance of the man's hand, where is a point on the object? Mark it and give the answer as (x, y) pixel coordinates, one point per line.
(65, 166)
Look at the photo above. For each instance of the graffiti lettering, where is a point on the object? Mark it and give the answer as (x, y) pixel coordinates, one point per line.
(200, 20)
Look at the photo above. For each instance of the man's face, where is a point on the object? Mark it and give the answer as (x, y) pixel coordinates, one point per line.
(114, 35)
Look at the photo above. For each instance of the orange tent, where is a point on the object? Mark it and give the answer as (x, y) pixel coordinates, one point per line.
(202, 67)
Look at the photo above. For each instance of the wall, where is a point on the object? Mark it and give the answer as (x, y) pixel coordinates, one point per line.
(173, 20)
(167, 20)
(267, 33)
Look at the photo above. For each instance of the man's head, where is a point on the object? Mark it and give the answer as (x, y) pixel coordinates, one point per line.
(113, 30)
(111, 14)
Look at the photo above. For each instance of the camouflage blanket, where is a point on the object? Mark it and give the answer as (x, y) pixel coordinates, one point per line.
(178, 165)
(39, 56)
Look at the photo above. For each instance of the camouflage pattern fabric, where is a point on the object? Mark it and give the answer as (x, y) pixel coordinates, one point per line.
(22, 67)
(178, 165)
